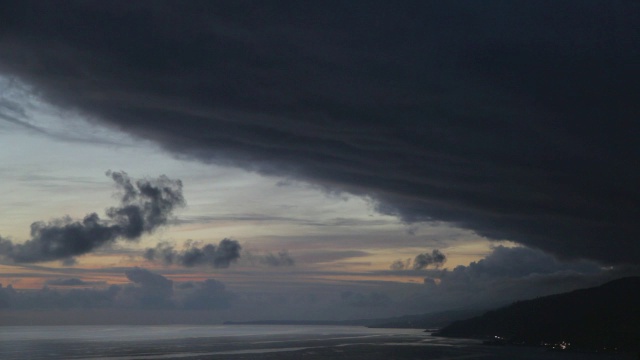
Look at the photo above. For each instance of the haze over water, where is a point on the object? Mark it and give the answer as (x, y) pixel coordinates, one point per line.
(252, 342)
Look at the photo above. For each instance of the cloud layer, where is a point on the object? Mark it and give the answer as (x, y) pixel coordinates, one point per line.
(145, 205)
(510, 119)
(146, 290)
(509, 274)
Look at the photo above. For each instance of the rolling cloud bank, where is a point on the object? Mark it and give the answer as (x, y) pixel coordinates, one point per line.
(509, 119)
(500, 135)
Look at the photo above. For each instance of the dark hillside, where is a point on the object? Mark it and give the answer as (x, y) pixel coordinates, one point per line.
(607, 316)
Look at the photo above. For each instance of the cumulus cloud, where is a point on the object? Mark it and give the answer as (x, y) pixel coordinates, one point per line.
(282, 258)
(493, 123)
(436, 259)
(516, 262)
(148, 279)
(195, 254)
(508, 274)
(400, 264)
(208, 294)
(145, 205)
(151, 290)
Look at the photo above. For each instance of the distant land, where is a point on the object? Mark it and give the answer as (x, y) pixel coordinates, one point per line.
(434, 320)
(606, 318)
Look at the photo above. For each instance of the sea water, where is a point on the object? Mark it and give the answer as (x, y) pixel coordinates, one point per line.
(259, 342)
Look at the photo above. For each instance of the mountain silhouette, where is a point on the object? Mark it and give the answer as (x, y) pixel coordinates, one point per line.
(606, 317)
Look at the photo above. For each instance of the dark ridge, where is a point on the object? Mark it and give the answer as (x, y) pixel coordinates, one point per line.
(606, 317)
(434, 320)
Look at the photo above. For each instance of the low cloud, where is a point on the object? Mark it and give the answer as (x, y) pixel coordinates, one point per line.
(72, 282)
(217, 256)
(209, 294)
(146, 290)
(508, 274)
(280, 259)
(145, 205)
(517, 262)
(47, 298)
(148, 279)
(151, 290)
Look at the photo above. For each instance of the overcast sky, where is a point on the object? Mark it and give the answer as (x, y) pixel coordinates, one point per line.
(324, 160)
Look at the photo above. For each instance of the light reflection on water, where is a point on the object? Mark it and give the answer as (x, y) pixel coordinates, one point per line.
(175, 341)
(139, 332)
(262, 342)
(191, 354)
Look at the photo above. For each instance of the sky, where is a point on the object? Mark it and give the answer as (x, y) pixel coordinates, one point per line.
(168, 161)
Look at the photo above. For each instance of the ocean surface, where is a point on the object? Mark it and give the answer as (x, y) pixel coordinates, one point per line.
(254, 342)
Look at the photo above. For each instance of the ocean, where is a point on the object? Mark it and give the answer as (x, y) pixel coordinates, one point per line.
(256, 342)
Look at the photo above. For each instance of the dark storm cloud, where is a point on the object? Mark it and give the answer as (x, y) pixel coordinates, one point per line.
(513, 119)
(145, 205)
(195, 254)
